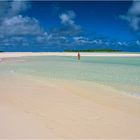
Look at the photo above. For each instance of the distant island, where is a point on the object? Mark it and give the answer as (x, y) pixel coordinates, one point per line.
(95, 50)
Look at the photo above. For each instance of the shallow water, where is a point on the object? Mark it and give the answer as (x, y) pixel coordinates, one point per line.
(119, 72)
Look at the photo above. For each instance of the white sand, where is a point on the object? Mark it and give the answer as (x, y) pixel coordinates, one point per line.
(32, 108)
(21, 54)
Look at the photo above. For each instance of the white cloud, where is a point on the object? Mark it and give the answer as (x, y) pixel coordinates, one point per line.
(67, 19)
(12, 23)
(43, 38)
(120, 43)
(51, 39)
(78, 38)
(18, 6)
(19, 25)
(81, 40)
(135, 8)
(86, 40)
(14, 40)
(133, 16)
(13, 7)
(138, 42)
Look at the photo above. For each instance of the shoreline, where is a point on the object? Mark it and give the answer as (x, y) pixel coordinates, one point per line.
(35, 107)
(28, 54)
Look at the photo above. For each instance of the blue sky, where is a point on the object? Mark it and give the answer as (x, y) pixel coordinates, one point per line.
(61, 25)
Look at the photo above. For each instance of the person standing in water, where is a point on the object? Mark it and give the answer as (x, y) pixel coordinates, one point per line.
(78, 56)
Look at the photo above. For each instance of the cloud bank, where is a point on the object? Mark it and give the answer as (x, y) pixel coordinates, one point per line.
(19, 25)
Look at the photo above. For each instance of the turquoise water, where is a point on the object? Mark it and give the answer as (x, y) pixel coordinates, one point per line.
(118, 72)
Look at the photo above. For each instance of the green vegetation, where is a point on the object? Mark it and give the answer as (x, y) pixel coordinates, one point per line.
(101, 50)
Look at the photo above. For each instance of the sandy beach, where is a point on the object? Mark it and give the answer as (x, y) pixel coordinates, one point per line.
(21, 54)
(33, 108)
